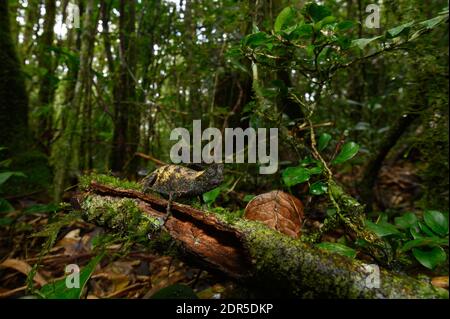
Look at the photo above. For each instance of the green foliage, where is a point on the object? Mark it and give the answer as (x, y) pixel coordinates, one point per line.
(423, 239)
(347, 152)
(59, 289)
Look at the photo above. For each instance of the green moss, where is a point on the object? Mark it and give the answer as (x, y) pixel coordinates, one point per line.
(109, 180)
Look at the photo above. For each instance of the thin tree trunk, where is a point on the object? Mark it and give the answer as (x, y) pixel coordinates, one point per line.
(47, 86)
(67, 152)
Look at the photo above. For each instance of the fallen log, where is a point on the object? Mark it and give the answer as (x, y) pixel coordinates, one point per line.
(248, 251)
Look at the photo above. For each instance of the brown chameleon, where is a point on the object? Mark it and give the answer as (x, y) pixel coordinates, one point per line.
(176, 181)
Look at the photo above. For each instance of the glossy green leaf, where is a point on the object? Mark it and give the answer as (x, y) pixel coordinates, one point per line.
(363, 42)
(430, 258)
(295, 175)
(59, 289)
(211, 196)
(394, 32)
(382, 229)
(338, 249)
(416, 232)
(286, 18)
(406, 221)
(316, 11)
(436, 221)
(349, 150)
(345, 25)
(431, 23)
(303, 31)
(41, 209)
(324, 139)
(424, 241)
(256, 39)
(424, 228)
(318, 188)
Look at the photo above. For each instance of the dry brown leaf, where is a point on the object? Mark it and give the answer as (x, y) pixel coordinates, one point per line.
(24, 268)
(278, 210)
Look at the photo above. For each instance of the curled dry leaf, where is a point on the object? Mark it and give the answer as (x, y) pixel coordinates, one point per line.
(278, 210)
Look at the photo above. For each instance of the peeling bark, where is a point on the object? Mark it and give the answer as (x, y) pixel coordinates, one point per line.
(248, 251)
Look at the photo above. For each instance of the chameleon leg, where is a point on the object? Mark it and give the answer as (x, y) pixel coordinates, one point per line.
(168, 211)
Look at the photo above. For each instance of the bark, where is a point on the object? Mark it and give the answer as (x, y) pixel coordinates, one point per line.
(126, 115)
(66, 150)
(47, 85)
(270, 262)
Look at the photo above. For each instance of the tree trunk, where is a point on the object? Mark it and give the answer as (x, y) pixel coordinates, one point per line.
(270, 262)
(47, 85)
(67, 152)
(126, 114)
(13, 95)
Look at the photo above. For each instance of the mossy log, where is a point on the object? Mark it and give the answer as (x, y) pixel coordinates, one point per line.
(248, 251)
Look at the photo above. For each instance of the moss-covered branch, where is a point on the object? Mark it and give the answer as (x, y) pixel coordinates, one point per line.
(247, 250)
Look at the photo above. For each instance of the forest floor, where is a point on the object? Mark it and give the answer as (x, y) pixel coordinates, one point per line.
(139, 273)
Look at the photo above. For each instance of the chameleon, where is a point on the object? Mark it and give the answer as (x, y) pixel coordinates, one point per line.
(174, 181)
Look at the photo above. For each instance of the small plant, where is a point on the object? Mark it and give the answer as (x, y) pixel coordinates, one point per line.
(421, 238)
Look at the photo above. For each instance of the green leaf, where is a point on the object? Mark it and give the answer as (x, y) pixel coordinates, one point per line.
(317, 12)
(338, 249)
(430, 258)
(345, 25)
(404, 28)
(303, 31)
(295, 175)
(382, 229)
(59, 289)
(248, 197)
(424, 241)
(423, 227)
(406, 221)
(211, 196)
(5, 206)
(286, 18)
(436, 221)
(4, 176)
(415, 231)
(176, 291)
(318, 188)
(349, 150)
(325, 21)
(324, 139)
(363, 42)
(256, 39)
(431, 23)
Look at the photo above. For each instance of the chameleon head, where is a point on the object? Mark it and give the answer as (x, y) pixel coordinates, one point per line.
(214, 174)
